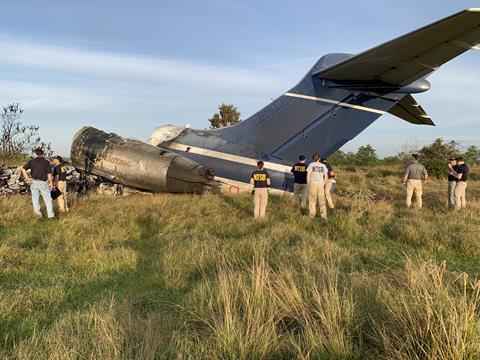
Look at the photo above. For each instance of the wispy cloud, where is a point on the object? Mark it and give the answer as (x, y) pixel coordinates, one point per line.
(118, 90)
(113, 66)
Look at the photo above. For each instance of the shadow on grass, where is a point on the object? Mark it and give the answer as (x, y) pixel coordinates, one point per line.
(143, 287)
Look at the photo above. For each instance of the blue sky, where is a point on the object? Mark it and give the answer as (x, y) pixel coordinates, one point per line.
(128, 67)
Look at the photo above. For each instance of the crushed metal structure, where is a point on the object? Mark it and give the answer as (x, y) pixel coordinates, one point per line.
(137, 164)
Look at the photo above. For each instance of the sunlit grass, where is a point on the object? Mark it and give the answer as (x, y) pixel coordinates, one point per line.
(180, 276)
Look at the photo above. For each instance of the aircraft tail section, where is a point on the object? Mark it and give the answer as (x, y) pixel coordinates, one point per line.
(343, 94)
(313, 116)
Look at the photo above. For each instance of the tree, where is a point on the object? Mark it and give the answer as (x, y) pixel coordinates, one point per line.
(436, 155)
(366, 155)
(16, 139)
(472, 155)
(227, 115)
(338, 158)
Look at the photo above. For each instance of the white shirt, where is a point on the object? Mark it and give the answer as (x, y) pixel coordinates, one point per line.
(318, 173)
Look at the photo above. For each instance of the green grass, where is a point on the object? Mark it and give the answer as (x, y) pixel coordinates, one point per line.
(180, 276)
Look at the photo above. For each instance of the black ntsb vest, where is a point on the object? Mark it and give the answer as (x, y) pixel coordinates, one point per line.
(299, 170)
(260, 178)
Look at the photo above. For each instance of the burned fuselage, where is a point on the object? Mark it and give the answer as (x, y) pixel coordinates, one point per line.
(138, 165)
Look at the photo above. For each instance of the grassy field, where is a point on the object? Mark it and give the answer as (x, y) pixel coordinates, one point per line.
(195, 277)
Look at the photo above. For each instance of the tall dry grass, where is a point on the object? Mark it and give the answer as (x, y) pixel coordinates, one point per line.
(254, 312)
(195, 277)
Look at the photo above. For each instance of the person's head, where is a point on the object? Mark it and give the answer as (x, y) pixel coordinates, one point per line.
(415, 157)
(38, 152)
(316, 157)
(324, 161)
(260, 164)
(57, 159)
(460, 160)
(301, 158)
(453, 161)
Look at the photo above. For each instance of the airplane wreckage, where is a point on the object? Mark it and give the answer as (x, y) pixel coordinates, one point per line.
(338, 98)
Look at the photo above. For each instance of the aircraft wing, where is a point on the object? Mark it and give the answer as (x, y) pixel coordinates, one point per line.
(408, 110)
(408, 58)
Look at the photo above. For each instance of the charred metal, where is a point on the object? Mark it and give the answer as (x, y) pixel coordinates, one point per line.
(137, 164)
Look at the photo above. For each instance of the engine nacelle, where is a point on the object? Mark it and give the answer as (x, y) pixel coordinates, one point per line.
(138, 165)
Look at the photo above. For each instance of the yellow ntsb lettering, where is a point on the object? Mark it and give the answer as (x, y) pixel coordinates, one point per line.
(260, 177)
(300, 168)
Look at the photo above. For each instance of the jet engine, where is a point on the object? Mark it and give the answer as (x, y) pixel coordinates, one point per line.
(137, 164)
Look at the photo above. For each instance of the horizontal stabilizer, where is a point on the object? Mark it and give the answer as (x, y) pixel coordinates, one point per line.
(413, 56)
(407, 109)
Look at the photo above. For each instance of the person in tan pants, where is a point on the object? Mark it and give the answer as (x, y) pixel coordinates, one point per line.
(414, 174)
(260, 181)
(462, 172)
(316, 179)
(60, 182)
(329, 184)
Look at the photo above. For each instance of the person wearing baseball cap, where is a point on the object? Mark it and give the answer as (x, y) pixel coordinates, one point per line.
(461, 186)
(452, 181)
(60, 182)
(414, 174)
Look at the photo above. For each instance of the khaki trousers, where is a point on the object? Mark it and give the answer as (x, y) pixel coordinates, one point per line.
(62, 199)
(316, 192)
(300, 193)
(414, 186)
(260, 200)
(460, 199)
(328, 193)
(451, 193)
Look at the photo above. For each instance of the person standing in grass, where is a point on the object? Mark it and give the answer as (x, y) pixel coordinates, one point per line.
(300, 187)
(60, 182)
(461, 186)
(414, 174)
(329, 184)
(41, 182)
(452, 182)
(316, 179)
(260, 181)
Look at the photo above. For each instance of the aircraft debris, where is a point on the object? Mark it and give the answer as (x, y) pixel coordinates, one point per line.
(12, 182)
(138, 165)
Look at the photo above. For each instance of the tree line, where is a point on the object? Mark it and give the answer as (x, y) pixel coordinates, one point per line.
(434, 156)
(17, 141)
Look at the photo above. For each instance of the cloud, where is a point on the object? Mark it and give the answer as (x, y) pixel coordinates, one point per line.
(130, 68)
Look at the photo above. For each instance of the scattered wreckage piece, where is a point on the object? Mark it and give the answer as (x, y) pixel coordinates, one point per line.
(138, 165)
(12, 182)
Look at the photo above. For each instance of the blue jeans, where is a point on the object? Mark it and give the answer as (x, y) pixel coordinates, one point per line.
(41, 188)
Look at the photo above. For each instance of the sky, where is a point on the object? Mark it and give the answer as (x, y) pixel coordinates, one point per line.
(130, 66)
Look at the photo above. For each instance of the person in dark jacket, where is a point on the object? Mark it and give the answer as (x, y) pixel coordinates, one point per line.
(300, 187)
(461, 186)
(260, 181)
(452, 181)
(60, 182)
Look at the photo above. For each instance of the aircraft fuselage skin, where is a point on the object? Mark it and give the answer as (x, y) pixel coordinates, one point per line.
(323, 116)
(337, 99)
